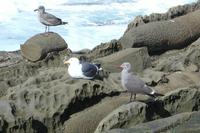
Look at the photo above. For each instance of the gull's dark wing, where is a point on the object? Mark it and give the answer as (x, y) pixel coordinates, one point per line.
(89, 70)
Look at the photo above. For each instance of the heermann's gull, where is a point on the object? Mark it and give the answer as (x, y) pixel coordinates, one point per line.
(48, 19)
(133, 84)
(81, 69)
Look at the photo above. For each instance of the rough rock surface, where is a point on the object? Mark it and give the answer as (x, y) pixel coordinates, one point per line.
(180, 123)
(48, 97)
(9, 58)
(170, 14)
(180, 60)
(164, 35)
(105, 49)
(178, 101)
(38, 46)
(121, 116)
(41, 97)
(138, 57)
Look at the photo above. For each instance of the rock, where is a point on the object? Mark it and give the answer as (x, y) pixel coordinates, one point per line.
(83, 51)
(170, 14)
(180, 60)
(105, 49)
(183, 122)
(9, 58)
(138, 57)
(37, 47)
(164, 35)
(152, 78)
(122, 115)
(49, 97)
(177, 101)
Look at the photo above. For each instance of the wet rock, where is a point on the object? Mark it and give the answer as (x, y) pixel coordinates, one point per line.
(37, 47)
(138, 57)
(164, 35)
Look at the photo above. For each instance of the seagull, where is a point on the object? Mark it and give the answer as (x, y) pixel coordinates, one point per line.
(81, 69)
(48, 19)
(133, 84)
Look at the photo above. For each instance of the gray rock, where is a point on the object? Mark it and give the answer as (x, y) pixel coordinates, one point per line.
(164, 35)
(183, 122)
(105, 49)
(138, 57)
(37, 47)
(47, 98)
(9, 58)
(177, 101)
(180, 60)
(121, 116)
(173, 12)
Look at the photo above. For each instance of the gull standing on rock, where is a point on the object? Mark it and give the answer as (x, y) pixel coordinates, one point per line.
(80, 69)
(133, 84)
(48, 19)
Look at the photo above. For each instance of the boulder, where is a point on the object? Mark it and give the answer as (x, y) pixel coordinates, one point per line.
(164, 35)
(180, 60)
(183, 122)
(177, 101)
(9, 58)
(138, 57)
(105, 49)
(120, 117)
(37, 47)
(173, 12)
(45, 100)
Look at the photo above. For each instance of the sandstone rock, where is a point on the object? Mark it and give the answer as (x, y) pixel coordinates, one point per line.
(9, 58)
(180, 122)
(170, 14)
(38, 46)
(164, 35)
(138, 57)
(180, 60)
(177, 101)
(122, 115)
(49, 97)
(105, 49)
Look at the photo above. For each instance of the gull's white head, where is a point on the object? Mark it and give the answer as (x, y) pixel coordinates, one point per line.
(40, 9)
(126, 66)
(72, 60)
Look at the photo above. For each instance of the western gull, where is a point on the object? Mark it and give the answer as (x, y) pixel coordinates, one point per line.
(133, 84)
(48, 19)
(81, 69)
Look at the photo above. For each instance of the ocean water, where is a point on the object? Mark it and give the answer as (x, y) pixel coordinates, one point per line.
(91, 22)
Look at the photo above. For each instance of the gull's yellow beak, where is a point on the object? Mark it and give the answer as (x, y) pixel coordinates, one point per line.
(66, 62)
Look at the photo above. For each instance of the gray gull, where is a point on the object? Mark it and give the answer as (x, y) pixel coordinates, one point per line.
(133, 84)
(48, 19)
(81, 69)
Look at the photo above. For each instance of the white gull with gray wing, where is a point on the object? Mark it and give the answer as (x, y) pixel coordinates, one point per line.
(79, 69)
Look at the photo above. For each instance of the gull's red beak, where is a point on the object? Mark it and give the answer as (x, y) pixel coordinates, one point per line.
(118, 66)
